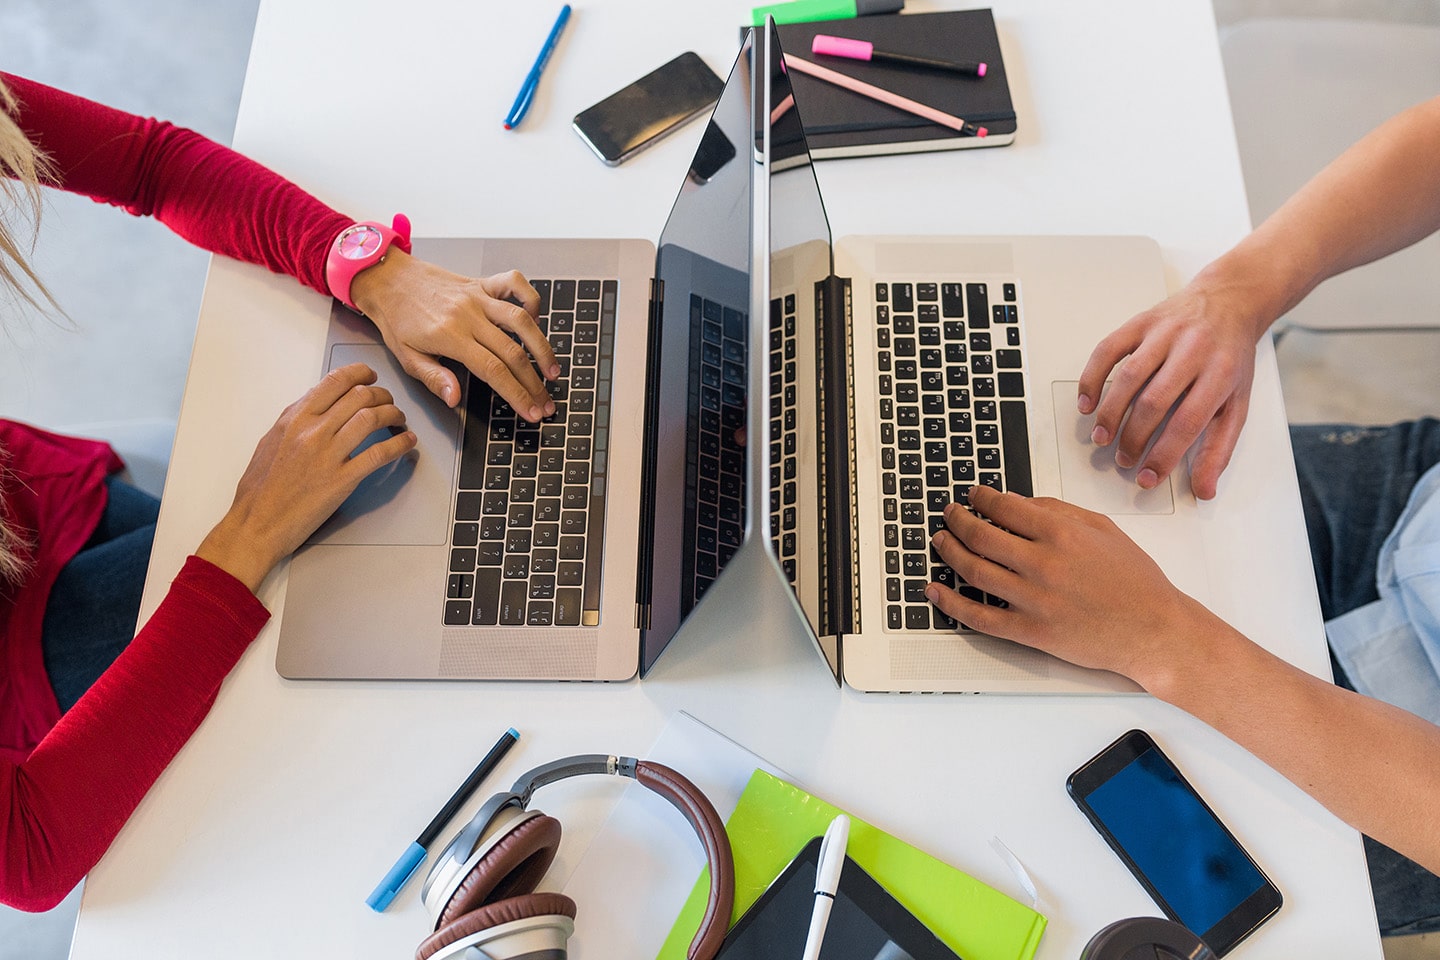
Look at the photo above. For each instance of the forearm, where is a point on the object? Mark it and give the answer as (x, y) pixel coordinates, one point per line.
(61, 809)
(1371, 764)
(205, 192)
(1380, 196)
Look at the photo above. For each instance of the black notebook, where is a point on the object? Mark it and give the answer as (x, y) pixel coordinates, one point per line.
(839, 123)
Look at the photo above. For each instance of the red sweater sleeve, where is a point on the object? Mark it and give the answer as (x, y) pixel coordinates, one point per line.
(62, 807)
(207, 193)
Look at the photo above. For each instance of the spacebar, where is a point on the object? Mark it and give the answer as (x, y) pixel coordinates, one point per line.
(1015, 438)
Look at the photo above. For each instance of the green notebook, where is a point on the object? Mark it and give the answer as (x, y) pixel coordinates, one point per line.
(774, 819)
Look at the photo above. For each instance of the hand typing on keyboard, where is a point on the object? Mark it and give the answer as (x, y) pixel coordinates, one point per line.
(426, 313)
(1041, 556)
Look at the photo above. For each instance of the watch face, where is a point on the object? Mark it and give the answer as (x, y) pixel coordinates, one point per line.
(359, 242)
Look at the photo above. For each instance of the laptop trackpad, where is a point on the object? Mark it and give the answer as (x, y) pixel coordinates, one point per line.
(1088, 475)
(408, 501)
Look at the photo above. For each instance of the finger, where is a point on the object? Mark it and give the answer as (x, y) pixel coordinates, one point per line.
(437, 378)
(334, 385)
(1216, 447)
(1022, 516)
(1107, 353)
(483, 362)
(1172, 384)
(513, 286)
(375, 456)
(1033, 518)
(365, 421)
(1187, 423)
(985, 539)
(522, 324)
(972, 613)
(974, 569)
(356, 398)
(1126, 382)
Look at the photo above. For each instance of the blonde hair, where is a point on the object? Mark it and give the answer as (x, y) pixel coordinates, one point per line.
(22, 169)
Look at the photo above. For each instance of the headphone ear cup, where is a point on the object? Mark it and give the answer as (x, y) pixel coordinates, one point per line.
(512, 867)
(493, 915)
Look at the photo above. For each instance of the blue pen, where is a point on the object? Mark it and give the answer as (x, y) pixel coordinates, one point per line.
(414, 854)
(532, 79)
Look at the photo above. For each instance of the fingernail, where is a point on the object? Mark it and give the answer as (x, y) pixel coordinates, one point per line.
(1100, 435)
(554, 369)
(1123, 462)
(1147, 478)
(1083, 402)
(536, 414)
(932, 593)
(549, 407)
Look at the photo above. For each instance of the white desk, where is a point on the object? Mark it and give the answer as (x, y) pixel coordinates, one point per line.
(267, 832)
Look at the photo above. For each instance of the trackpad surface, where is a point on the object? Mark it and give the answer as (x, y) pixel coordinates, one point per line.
(1088, 475)
(408, 501)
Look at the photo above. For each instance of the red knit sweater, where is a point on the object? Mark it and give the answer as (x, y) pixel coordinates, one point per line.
(62, 803)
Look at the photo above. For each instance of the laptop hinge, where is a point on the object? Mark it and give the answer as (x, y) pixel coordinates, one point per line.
(839, 551)
(644, 574)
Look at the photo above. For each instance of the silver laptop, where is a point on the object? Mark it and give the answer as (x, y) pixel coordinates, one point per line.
(572, 549)
(901, 370)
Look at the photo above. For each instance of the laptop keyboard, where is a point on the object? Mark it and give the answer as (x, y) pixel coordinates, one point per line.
(528, 536)
(952, 414)
(784, 432)
(715, 513)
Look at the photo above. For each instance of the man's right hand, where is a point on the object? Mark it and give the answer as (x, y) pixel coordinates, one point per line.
(1194, 352)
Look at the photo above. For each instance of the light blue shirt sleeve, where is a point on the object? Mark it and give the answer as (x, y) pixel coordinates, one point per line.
(1391, 648)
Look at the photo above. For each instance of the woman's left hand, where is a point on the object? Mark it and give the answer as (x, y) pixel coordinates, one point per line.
(426, 313)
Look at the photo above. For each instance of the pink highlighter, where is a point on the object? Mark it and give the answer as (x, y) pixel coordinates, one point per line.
(864, 50)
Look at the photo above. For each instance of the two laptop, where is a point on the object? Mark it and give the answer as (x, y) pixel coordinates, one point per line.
(891, 373)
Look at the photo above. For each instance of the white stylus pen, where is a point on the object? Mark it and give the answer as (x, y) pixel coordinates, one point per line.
(827, 881)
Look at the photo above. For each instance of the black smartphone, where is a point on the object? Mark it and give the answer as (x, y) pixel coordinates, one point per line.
(1172, 842)
(628, 120)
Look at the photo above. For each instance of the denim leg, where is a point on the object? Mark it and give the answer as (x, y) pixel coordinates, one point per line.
(1354, 483)
(91, 614)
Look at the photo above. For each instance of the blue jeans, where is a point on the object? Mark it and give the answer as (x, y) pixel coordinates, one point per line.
(93, 607)
(1354, 483)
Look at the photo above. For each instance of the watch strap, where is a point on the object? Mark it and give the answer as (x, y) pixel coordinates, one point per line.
(340, 271)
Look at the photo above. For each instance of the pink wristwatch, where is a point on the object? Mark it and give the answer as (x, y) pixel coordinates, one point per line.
(359, 246)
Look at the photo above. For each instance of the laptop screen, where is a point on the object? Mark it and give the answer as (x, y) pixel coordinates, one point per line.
(808, 475)
(698, 372)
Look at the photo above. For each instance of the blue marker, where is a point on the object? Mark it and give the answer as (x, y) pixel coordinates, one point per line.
(414, 854)
(532, 79)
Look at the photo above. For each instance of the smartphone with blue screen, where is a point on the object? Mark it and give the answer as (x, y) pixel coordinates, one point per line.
(1173, 843)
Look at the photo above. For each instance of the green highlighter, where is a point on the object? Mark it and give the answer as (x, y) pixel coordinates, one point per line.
(805, 11)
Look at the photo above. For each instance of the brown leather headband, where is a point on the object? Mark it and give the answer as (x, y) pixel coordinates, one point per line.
(688, 799)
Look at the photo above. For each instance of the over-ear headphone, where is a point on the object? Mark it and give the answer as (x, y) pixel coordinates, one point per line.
(1146, 938)
(481, 890)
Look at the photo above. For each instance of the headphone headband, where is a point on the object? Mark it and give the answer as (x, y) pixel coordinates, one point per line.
(577, 766)
(505, 812)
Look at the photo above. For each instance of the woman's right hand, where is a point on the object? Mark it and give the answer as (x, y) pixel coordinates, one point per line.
(303, 470)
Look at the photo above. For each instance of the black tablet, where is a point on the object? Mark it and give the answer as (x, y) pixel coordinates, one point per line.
(866, 922)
